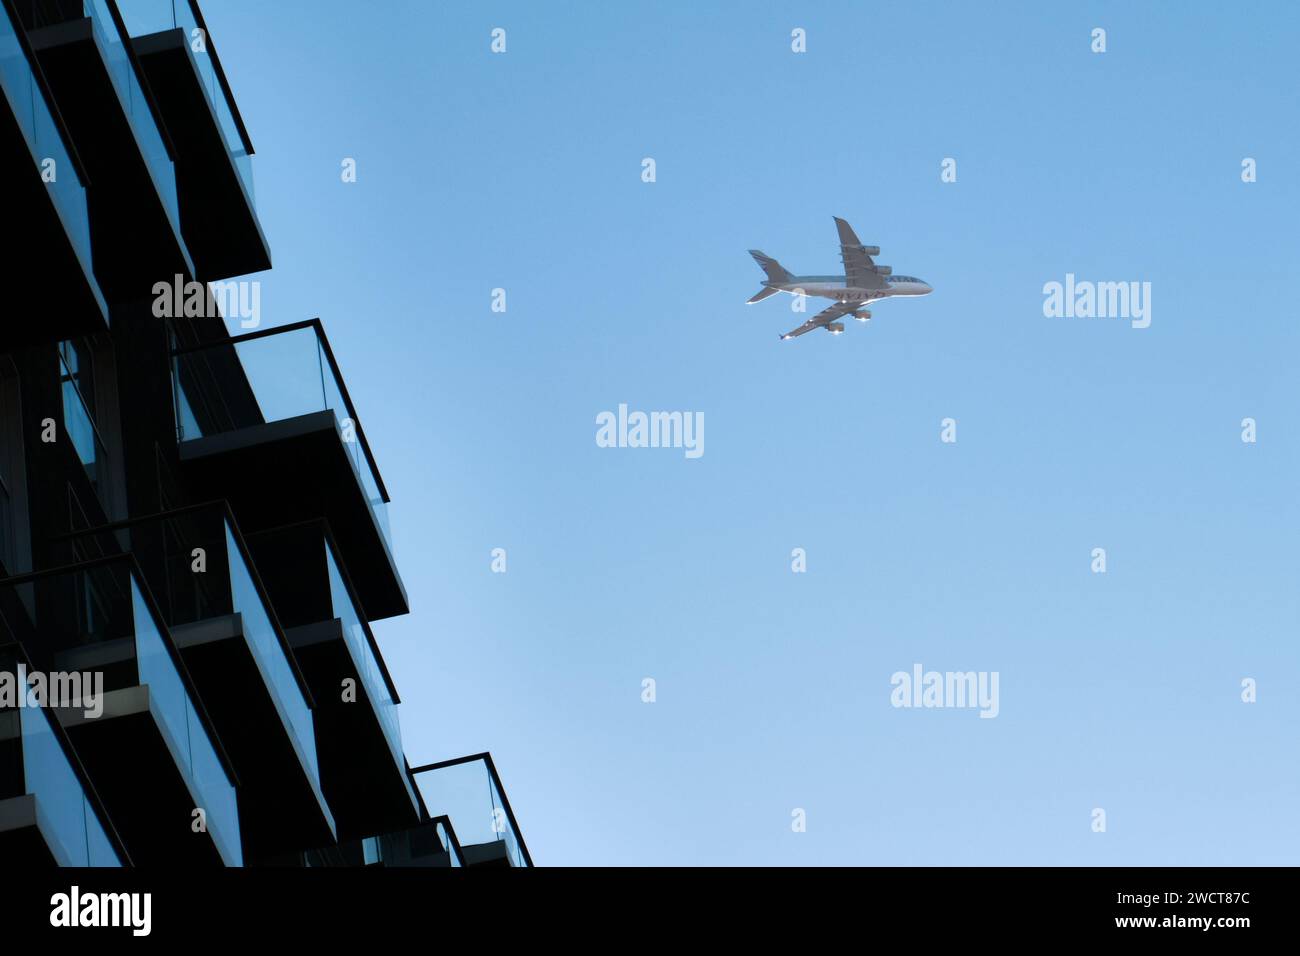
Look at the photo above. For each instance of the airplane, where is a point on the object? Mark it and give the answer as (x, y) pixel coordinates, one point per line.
(863, 281)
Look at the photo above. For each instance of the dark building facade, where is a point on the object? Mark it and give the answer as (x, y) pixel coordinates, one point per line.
(193, 530)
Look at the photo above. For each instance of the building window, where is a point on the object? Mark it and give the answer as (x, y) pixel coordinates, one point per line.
(77, 383)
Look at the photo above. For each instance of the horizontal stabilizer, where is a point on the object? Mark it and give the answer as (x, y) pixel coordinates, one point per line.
(761, 294)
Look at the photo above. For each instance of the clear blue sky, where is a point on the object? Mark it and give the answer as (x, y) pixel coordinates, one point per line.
(522, 171)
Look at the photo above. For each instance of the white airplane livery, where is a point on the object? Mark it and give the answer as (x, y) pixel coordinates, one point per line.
(863, 282)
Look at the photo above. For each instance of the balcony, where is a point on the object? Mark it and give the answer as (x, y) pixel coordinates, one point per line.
(468, 791)
(213, 151)
(151, 750)
(431, 843)
(49, 811)
(209, 593)
(48, 273)
(273, 404)
(135, 224)
(363, 769)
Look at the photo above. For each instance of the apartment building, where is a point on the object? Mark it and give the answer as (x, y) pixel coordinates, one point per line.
(190, 513)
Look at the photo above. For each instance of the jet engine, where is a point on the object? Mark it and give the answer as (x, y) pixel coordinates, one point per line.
(835, 328)
(869, 250)
(884, 270)
(863, 315)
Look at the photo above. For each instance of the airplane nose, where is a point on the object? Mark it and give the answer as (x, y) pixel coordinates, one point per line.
(928, 288)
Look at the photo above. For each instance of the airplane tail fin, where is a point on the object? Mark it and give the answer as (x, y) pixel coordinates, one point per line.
(775, 271)
(762, 294)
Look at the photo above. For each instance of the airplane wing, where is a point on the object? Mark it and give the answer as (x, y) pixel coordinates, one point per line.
(821, 319)
(859, 269)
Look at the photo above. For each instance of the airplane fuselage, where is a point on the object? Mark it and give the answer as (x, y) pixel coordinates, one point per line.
(837, 288)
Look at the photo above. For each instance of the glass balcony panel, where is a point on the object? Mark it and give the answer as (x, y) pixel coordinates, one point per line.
(51, 779)
(333, 398)
(463, 793)
(99, 851)
(363, 655)
(270, 654)
(148, 16)
(59, 794)
(157, 669)
(187, 426)
(198, 756)
(468, 795)
(27, 102)
(215, 792)
(81, 430)
(447, 845)
(501, 825)
(143, 17)
(287, 374)
(370, 851)
(137, 108)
